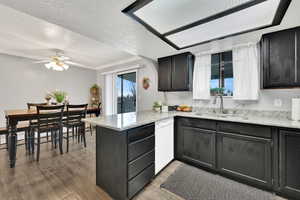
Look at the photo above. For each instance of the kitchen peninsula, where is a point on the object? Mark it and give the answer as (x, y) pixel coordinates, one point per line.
(251, 150)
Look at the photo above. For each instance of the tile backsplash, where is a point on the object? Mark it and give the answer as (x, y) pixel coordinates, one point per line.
(276, 99)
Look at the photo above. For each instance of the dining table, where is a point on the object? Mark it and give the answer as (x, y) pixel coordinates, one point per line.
(13, 117)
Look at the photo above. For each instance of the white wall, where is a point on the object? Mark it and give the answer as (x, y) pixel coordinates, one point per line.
(21, 81)
(145, 98)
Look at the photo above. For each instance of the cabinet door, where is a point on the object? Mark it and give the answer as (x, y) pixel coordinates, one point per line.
(279, 59)
(180, 73)
(164, 73)
(297, 53)
(290, 163)
(245, 158)
(198, 146)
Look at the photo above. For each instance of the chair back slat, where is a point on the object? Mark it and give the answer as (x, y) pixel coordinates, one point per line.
(75, 113)
(32, 106)
(50, 116)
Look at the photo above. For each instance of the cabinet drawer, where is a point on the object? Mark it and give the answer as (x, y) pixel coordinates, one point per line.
(140, 133)
(140, 147)
(245, 129)
(136, 166)
(138, 183)
(198, 123)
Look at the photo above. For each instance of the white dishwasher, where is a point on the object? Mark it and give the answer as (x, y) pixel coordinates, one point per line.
(164, 143)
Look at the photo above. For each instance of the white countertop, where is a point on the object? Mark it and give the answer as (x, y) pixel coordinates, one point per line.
(126, 121)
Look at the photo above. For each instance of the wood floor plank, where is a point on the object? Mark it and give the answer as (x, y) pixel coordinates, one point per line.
(71, 176)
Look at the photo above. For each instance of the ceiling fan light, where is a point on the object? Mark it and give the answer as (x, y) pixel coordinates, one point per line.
(48, 65)
(55, 67)
(66, 67)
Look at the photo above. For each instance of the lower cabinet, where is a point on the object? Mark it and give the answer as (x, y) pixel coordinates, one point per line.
(262, 156)
(198, 146)
(246, 158)
(289, 149)
(125, 160)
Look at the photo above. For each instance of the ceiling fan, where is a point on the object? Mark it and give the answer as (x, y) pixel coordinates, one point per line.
(58, 62)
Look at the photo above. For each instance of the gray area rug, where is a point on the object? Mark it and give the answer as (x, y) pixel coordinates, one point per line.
(192, 183)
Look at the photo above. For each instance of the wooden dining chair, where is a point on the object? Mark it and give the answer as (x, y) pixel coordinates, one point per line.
(21, 128)
(93, 115)
(75, 114)
(48, 118)
(33, 106)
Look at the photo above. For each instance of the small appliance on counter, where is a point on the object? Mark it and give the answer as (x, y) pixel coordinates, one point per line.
(172, 108)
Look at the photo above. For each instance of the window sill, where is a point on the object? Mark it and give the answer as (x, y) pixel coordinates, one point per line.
(226, 97)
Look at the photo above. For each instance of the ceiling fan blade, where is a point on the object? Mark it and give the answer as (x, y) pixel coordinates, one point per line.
(77, 64)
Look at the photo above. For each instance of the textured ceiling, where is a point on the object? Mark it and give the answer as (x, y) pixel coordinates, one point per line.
(27, 36)
(102, 20)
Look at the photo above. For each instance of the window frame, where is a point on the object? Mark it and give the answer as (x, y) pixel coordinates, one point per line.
(222, 70)
(136, 88)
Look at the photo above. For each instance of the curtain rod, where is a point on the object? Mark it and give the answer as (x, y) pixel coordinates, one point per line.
(225, 49)
(123, 69)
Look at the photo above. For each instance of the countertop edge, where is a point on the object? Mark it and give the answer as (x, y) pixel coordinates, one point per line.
(191, 115)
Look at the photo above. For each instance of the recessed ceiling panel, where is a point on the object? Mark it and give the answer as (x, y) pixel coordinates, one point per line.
(186, 23)
(254, 17)
(165, 16)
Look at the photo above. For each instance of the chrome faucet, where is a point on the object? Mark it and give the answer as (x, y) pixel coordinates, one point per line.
(221, 102)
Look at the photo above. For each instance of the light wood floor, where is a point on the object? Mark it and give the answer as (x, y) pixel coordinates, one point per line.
(70, 176)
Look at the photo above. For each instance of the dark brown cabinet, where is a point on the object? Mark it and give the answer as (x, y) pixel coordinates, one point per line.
(290, 163)
(198, 146)
(175, 73)
(297, 59)
(244, 157)
(279, 54)
(164, 73)
(125, 160)
(242, 151)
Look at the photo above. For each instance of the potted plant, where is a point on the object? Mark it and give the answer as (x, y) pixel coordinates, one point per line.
(157, 106)
(59, 96)
(94, 89)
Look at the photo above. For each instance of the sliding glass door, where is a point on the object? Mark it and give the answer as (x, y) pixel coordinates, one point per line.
(126, 91)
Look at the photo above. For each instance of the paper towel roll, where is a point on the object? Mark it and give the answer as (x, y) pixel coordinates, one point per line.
(296, 109)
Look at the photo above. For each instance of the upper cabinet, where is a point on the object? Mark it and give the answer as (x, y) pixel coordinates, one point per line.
(279, 59)
(175, 73)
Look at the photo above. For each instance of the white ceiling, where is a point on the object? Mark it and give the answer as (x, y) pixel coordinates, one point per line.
(103, 21)
(30, 37)
(165, 16)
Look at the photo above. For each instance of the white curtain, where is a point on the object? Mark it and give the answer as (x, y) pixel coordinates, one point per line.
(201, 80)
(246, 72)
(109, 94)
